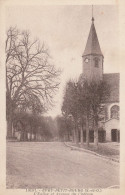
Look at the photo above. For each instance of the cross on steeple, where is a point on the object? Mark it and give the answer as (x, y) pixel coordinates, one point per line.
(92, 56)
(92, 45)
(92, 14)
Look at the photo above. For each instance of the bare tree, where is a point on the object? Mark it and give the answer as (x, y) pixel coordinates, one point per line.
(31, 80)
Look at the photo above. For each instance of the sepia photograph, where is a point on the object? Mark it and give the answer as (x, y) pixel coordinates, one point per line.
(62, 97)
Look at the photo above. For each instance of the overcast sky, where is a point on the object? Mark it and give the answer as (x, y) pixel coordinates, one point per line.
(65, 29)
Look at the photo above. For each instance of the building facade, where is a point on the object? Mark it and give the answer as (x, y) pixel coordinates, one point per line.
(93, 70)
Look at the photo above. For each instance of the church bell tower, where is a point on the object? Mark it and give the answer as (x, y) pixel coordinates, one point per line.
(92, 57)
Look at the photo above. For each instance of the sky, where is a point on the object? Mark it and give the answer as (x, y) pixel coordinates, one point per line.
(64, 29)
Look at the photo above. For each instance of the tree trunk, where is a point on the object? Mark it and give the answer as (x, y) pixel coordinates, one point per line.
(87, 131)
(73, 135)
(68, 136)
(76, 133)
(96, 133)
(35, 137)
(9, 127)
(9, 117)
(81, 135)
(25, 136)
(75, 139)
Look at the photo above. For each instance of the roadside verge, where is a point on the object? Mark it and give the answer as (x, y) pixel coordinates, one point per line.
(91, 152)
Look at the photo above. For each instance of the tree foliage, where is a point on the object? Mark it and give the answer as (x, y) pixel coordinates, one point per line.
(64, 126)
(71, 105)
(33, 124)
(85, 102)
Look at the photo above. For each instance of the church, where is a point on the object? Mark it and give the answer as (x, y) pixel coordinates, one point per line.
(93, 62)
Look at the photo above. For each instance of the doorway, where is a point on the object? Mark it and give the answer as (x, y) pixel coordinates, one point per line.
(114, 135)
(102, 136)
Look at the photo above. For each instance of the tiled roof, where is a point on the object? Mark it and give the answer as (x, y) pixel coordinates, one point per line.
(92, 45)
(113, 80)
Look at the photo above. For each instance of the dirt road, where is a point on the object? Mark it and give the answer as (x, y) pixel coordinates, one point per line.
(38, 165)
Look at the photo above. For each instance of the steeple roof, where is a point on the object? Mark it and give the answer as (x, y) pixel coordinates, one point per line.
(92, 45)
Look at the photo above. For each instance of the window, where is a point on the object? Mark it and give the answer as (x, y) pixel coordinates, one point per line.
(96, 60)
(115, 111)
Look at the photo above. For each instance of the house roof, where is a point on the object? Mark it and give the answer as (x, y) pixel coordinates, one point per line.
(92, 45)
(113, 80)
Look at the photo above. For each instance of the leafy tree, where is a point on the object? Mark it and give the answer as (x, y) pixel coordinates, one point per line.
(45, 129)
(92, 97)
(71, 105)
(32, 124)
(84, 102)
(64, 126)
(85, 109)
(31, 80)
(98, 93)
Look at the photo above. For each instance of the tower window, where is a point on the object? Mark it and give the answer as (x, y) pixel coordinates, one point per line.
(96, 62)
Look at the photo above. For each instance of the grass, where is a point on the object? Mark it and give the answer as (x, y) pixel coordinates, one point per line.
(105, 149)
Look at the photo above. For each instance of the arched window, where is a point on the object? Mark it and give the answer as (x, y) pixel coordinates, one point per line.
(96, 62)
(115, 111)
